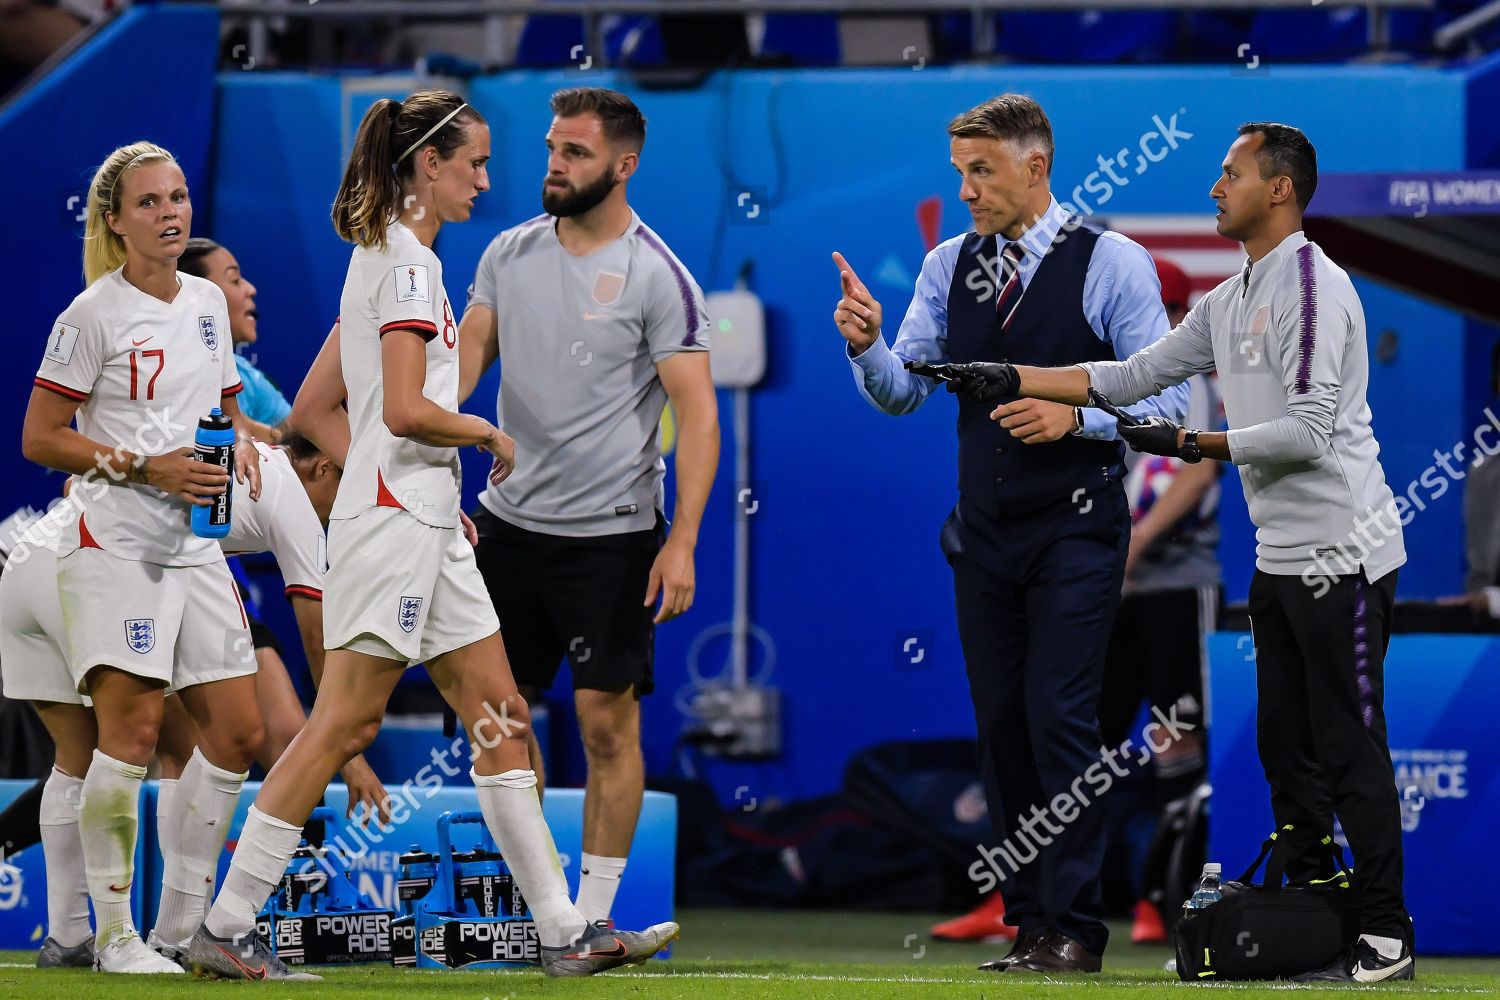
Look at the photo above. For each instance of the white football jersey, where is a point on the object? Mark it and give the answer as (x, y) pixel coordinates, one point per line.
(398, 288)
(144, 371)
(282, 522)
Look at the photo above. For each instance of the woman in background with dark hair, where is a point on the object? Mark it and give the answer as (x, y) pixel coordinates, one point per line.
(261, 403)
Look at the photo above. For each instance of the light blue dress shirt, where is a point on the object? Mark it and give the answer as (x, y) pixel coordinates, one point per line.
(1121, 301)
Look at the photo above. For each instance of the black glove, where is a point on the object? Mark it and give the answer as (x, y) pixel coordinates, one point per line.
(984, 381)
(1154, 436)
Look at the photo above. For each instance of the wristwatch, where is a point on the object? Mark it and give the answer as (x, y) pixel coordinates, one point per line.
(1190, 452)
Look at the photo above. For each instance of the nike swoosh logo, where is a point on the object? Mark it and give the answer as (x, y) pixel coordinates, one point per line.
(119, 888)
(618, 951)
(1363, 975)
(250, 973)
(138, 343)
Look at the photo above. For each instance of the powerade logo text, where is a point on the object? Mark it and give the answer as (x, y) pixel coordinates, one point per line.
(288, 934)
(364, 933)
(506, 940)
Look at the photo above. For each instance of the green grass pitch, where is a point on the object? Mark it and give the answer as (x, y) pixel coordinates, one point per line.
(744, 955)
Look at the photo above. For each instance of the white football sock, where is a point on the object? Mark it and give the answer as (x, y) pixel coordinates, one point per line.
(513, 813)
(107, 825)
(1389, 948)
(206, 797)
(266, 847)
(598, 881)
(62, 847)
(168, 822)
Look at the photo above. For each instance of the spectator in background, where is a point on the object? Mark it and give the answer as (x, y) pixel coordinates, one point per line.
(1172, 575)
(30, 33)
(262, 404)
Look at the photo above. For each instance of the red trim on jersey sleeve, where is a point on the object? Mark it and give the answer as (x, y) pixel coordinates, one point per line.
(421, 328)
(85, 539)
(233, 390)
(61, 390)
(383, 496)
(298, 590)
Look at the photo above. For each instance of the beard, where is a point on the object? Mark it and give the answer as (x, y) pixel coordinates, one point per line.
(564, 204)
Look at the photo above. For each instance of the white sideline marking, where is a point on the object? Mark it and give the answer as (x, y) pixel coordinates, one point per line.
(1098, 984)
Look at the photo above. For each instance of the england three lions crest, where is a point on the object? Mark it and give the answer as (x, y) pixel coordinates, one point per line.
(209, 331)
(140, 634)
(607, 287)
(409, 612)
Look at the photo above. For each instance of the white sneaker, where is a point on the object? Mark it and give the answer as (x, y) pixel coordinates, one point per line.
(171, 952)
(129, 954)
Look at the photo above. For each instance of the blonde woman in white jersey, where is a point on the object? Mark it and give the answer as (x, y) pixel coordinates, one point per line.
(402, 585)
(137, 359)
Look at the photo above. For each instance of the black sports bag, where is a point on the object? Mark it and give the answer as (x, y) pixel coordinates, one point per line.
(1270, 931)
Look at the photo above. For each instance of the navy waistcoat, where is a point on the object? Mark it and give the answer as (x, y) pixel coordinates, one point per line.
(996, 472)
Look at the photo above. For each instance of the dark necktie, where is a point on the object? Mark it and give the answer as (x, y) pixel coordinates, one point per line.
(1010, 284)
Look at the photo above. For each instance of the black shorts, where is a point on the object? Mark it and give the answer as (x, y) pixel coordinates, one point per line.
(579, 598)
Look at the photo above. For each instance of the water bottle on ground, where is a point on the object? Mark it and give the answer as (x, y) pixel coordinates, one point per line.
(1209, 890)
(214, 444)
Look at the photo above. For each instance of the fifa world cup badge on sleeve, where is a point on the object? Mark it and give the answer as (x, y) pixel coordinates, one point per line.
(411, 283)
(60, 344)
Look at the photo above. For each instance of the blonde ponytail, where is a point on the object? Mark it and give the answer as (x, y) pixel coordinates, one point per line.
(103, 248)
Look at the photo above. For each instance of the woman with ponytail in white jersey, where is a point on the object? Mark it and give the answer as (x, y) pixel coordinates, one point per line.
(402, 585)
(137, 358)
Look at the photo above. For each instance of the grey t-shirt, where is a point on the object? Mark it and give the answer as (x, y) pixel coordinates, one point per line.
(1186, 557)
(580, 339)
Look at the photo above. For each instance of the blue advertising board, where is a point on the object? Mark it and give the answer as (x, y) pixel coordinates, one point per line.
(1440, 693)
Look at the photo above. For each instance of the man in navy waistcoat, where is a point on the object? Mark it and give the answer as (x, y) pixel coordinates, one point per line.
(1038, 538)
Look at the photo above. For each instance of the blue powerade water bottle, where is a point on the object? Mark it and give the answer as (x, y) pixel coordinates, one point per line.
(214, 443)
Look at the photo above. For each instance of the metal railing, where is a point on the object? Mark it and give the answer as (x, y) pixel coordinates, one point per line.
(492, 14)
(1461, 29)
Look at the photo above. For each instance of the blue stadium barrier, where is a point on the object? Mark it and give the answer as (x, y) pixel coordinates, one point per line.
(1440, 693)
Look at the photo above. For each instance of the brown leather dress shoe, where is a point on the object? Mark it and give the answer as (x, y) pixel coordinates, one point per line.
(1024, 945)
(1056, 953)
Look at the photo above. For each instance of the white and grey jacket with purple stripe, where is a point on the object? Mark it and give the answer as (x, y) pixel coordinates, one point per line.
(1288, 339)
